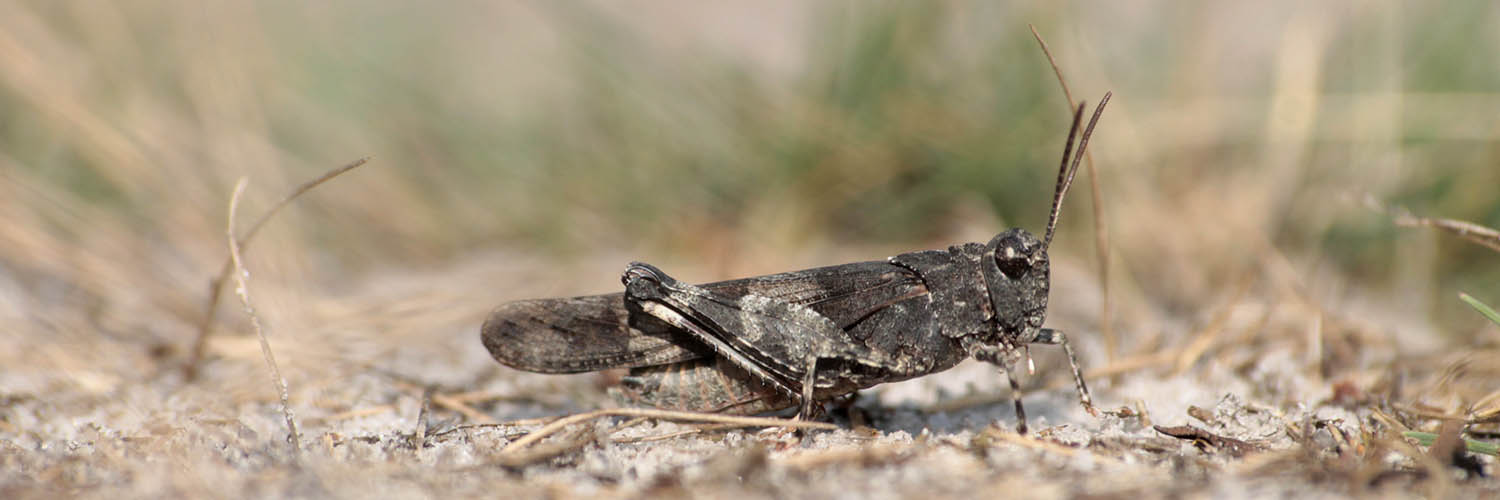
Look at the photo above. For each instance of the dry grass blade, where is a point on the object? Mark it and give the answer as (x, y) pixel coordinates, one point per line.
(525, 422)
(1101, 228)
(216, 286)
(459, 406)
(1475, 233)
(242, 289)
(573, 441)
(1487, 408)
(563, 423)
(419, 436)
(453, 402)
(1466, 230)
(671, 435)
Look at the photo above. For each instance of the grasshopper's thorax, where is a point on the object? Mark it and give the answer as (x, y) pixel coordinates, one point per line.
(990, 298)
(1016, 273)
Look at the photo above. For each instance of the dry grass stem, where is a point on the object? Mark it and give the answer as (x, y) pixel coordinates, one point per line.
(242, 289)
(419, 436)
(1101, 228)
(671, 435)
(1466, 230)
(1435, 415)
(563, 423)
(1487, 406)
(573, 441)
(216, 286)
(456, 404)
(1486, 236)
(525, 422)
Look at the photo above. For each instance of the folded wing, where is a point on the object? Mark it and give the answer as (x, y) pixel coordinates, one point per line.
(578, 334)
(589, 333)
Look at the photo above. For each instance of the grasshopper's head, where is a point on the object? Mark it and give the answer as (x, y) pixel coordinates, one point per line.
(1018, 278)
(1017, 271)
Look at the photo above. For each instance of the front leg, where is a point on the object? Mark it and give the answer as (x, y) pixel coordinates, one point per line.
(1050, 336)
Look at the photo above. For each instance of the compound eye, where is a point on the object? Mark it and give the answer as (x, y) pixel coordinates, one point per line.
(1012, 264)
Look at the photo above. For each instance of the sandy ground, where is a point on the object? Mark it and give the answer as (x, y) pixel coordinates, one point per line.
(1321, 422)
(1240, 139)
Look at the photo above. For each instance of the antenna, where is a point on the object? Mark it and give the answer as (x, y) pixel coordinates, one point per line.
(1070, 168)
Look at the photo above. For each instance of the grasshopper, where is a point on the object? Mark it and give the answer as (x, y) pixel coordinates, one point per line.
(767, 343)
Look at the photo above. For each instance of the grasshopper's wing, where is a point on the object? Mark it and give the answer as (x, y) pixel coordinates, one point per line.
(588, 333)
(777, 339)
(847, 294)
(579, 334)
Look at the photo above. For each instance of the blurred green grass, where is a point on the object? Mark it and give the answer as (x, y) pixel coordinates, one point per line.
(666, 127)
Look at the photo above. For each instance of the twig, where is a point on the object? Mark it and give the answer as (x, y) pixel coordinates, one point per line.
(560, 424)
(216, 286)
(243, 290)
(1101, 228)
(1202, 438)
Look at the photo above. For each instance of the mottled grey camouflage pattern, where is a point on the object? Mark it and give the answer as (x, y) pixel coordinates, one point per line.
(766, 343)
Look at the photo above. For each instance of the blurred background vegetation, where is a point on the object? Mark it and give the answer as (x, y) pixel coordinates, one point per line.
(740, 138)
